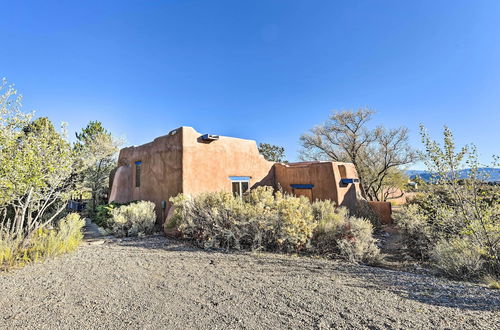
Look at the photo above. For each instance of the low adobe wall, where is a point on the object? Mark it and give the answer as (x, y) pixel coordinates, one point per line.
(383, 210)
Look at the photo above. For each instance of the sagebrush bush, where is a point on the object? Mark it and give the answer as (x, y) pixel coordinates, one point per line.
(356, 243)
(327, 216)
(42, 243)
(273, 222)
(457, 247)
(343, 235)
(362, 209)
(458, 258)
(135, 219)
(418, 236)
(259, 220)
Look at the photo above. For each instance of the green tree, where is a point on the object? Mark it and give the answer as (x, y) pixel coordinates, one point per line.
(272, 153)
(36, 167)
(96, 149)
(375, 153)
(473, 218)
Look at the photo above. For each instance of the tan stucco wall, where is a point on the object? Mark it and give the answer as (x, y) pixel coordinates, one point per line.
(325, 177)
(208, 166)
(121, 184)
(181, 162)
(161, 171)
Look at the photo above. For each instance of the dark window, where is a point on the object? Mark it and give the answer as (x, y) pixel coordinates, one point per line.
(244, 187)
(236, 188)
(343, 172)
(138, 174)
(240, 184)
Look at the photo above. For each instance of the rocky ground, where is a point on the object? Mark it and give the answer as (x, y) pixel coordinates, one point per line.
(156, 283)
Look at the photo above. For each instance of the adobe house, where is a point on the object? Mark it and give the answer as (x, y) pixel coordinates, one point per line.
(185, 161)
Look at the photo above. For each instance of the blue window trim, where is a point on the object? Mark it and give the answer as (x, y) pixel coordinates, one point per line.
(239, 178)
(138, 163)
(302, 186)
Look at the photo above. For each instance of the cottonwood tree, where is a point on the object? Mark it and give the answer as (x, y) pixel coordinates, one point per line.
(96, 149)
(36, 169)
(272, 153)
(375, 153)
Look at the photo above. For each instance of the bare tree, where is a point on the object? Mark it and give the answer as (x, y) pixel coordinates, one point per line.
(345, 137)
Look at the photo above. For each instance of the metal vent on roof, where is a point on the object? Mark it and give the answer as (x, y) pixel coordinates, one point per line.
(209, 137)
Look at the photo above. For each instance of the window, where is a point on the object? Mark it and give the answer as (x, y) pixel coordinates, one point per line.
(138, 174)
(240, 184)
(343, 172)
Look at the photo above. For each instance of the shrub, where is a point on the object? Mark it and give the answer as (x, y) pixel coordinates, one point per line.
(135, 219)
(328, 216)
(418, 236)
(492, 282)
(339, 234)
(458, 259)
(455, 223)
(362, 209)
(329, 225)
(259, 220)
(294, 223)
(273, 222)
(103, 214)
(357, 243)
(42, 243)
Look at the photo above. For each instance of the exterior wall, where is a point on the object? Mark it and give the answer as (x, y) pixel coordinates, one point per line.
(383, 210)
(348, 194)
(207, 166)
(161, 172)
(325, 178)
(182, 162)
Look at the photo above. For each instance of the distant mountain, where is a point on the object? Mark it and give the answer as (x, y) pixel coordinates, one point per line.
(490, 174)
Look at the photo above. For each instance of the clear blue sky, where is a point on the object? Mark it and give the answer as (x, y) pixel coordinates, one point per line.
(265, 70)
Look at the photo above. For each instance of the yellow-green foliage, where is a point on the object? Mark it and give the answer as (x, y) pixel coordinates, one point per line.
(328, 217)
(41, 243)
(458, 258)
(259, 220)
(339, 234)
(273, 222)
(357, 243)
(492, 282)
(135, 219)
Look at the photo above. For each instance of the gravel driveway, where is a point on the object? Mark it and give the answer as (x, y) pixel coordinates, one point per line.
(156, 283)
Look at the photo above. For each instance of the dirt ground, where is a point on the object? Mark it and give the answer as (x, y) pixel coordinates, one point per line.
(154, 282)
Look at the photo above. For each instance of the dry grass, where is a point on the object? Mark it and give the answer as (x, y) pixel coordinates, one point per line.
(42, 243)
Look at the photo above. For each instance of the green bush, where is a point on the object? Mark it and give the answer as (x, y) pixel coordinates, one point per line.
(135, 219)
(272, 222)
(356, 242)
(459, 259)
(457, 247)
(455, 222)
(42, 243)
(103, 216)
(340, 234)
(418, 236)
(259, 220)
